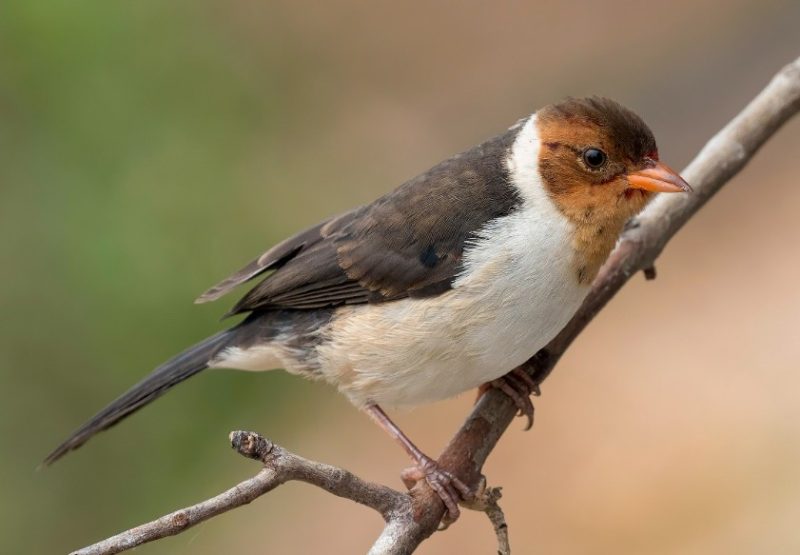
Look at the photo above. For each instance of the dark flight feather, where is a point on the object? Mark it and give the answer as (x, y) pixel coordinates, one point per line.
(272, 259)
(179, 368)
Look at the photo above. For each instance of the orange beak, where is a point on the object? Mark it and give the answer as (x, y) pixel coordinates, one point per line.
(658, 178)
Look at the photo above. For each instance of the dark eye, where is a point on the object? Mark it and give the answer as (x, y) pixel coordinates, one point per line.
(594, 157)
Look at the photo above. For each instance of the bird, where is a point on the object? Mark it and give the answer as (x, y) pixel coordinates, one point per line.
(447, 283)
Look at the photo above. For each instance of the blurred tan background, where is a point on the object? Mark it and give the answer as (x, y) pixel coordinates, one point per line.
(148, 148)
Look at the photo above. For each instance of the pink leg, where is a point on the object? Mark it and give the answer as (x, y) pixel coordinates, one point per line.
(519, 386)
(447, 486)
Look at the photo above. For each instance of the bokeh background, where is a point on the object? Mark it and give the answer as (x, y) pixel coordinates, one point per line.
(149, 148)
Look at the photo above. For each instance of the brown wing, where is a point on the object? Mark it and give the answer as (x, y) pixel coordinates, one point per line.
(273, 259)
(408, 243)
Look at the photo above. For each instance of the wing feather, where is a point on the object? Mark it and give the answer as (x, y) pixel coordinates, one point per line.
(272, 259)
(408, 243)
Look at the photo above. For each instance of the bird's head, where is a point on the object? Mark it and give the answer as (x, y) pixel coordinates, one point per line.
(599, 161)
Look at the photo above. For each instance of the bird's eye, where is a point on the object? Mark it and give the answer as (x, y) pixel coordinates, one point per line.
(594, 157)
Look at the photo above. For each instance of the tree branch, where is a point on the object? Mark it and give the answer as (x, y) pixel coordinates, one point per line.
(280, 466)
(413, 517)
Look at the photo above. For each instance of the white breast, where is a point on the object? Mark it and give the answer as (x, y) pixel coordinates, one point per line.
(515, 294)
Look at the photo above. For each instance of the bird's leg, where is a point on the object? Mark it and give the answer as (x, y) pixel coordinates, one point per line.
(447, 486)
(519, 386)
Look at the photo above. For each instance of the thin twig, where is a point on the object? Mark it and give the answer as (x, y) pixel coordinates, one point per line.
(280, 466)
(486, 500)
(411, 518)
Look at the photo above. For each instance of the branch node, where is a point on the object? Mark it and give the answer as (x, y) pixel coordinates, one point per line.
(251, 445)
(649, 273)
(486, 500)
(180, 520)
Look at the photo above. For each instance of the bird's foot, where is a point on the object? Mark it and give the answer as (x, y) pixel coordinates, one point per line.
(519, 386)
(449, 488)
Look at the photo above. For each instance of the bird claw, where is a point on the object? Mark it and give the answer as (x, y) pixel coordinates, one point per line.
(447, 486)
(518, 386)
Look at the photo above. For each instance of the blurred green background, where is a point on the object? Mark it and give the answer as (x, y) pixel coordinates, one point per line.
(149, 148)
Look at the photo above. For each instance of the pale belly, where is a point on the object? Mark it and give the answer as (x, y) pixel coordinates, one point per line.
(517, 292)
(422, 350)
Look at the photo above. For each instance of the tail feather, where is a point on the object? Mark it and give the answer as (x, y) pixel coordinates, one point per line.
(181, 367)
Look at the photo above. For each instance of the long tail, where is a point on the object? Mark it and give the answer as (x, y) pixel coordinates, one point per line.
(174, 371)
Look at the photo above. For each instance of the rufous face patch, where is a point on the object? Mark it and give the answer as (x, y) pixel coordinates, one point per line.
(588, 147)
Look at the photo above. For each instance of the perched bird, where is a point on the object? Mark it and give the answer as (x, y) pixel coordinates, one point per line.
(446, 283)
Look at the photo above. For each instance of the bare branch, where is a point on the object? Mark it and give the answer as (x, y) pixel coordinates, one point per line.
(280, 466)
(411, 518)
